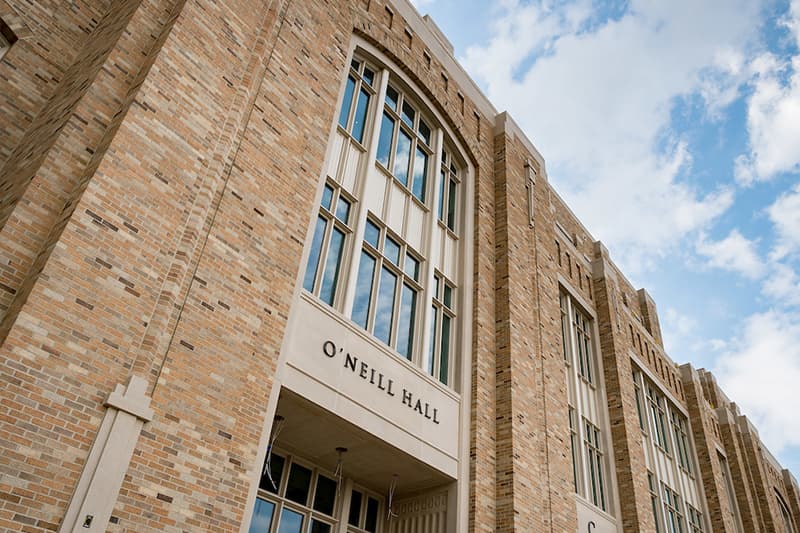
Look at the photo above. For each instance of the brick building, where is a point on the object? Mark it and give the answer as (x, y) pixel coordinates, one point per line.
(280, 266)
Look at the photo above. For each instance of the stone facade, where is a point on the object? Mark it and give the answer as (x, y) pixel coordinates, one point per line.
(161, 169)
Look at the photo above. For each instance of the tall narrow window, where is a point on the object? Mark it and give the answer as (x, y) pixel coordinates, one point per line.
(695, 519)
(565, 331)
(577, 338)
(637, 391)
(573, 446)
(732, 506)
(404, 143)
(442, 329)
(672, 510)
(328, 244)
(594, 460)
(583, 343)
(358, 92)
(651, 482)
(448, 191)
(786, 516)
(387, 289)
(681, 440)
(658, 417)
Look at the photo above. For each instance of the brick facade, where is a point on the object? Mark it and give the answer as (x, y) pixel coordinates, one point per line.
(160, 167)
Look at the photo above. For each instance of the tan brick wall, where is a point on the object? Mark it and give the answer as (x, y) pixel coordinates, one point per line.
(158, 165)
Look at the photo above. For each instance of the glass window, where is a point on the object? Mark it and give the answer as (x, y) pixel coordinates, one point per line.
(298, 484)
(358, 92)
(442, 321)
(448, 185)
(655, 402)
(637, 391)
(594, 460)
(262, 516)
(573, 446)
(364, 513)
(325, 495)
(673, 515)
(579, 336)
(354, 516)
(651, 481)
(682, 448)
(404, 143)
(274, 470)
(291, 521)
(304, 503)
(393, 295)
(328, 244)
(695, 519)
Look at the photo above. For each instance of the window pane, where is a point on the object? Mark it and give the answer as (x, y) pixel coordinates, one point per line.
(369, 76)
(347, 101)
(325, 495)
(372, 234)
(384, 309)
(402, 156)
(355, 64)
(262, 516)
(425, 132)
(298, 485)
(330, 276)
(343, 210)
(445, 355)
(391, 98)
(441, 195)
(354, 515)
(408, 114)
(366, 271)
(276, 470)
(411, 267)
(313, 256)
(291, 522)
(420, 174)
(319, 527)
(327, 196)
(371, 520)
(451, 206)
(385, 139)
(405, 327)
(391, 249)
(448, 296)
(432, 344)
(361, 115)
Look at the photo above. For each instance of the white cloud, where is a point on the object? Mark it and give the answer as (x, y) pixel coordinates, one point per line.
(761, 373)
(677, 328)
(785, 215)
(782, 286)
(596, 98)
(773, 114)
(734, 253)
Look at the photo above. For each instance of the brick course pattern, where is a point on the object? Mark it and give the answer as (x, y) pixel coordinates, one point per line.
(158, 163)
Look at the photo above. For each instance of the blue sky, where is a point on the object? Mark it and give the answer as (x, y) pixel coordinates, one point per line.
(673, 131)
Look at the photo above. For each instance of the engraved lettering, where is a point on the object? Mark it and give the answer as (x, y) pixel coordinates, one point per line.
(389, 390)
(350, 362)
(363, 372)
(329, 348)
(407, 398)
